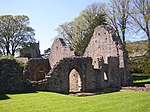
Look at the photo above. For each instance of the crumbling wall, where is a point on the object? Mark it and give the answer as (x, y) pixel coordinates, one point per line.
(104, 65)
(107, 45)
(103, 44)
(11, 77)
(36, 69)
(59, 50)
(58, 79)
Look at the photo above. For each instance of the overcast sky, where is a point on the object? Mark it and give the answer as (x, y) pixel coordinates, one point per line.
(46, 15)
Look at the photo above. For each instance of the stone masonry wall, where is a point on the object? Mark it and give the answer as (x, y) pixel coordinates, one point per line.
(36, 69)
(75, 84)
(58, 80)
(59, 50)
(104, 65)
(105, 44)
(91, 79)
(11, 77)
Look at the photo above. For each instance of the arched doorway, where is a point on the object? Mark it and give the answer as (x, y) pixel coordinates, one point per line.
(75, 84)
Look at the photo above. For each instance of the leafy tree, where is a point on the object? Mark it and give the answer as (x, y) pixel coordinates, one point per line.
(118, 17)
(14, 33)
(79, 32)
(141, 17)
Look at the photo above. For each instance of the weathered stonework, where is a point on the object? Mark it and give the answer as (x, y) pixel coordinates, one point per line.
(59, 50)
(36, 69)
(105, 44)
(11, 77)
(145, 87)
(75, 83)
(58, 79)
(103, 66)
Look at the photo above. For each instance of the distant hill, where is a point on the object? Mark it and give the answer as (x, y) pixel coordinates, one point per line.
(138, 48)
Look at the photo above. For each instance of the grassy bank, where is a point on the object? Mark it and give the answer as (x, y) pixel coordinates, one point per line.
(52, 102)
(141, 78)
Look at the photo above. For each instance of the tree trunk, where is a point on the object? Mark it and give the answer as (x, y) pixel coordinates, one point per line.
(123, 38)
(148, 46)
(148, 35)
(13, 53)
(7, 49)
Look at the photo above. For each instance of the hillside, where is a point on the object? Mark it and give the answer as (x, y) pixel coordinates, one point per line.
(138, 48)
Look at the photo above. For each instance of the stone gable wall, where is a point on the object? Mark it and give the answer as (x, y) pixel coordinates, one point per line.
(105, 44)
(59, 50)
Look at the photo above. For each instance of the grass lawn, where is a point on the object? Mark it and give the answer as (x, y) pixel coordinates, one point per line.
(128, 101)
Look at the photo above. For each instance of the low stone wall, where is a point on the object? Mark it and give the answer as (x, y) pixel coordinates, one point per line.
(36, 69)
(146, 87)
(11, 77)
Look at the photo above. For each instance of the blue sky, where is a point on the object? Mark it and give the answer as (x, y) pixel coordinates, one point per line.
(46, 15)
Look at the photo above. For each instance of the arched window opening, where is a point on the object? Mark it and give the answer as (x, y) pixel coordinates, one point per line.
(74, 81)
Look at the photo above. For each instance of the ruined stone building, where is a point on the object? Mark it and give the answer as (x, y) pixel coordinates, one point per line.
(31, 52)
(104, 65)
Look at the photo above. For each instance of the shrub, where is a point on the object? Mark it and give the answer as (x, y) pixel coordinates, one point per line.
(140, 65)
(21, 64)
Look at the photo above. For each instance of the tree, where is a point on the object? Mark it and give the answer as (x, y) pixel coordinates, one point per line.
(118, 17)
(79, 32)
(141, 17)
(14, 33)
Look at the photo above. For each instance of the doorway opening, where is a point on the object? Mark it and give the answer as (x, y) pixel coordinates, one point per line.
(75, 84)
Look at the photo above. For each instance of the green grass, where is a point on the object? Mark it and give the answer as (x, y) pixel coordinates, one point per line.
(129, 101)
(141, 78)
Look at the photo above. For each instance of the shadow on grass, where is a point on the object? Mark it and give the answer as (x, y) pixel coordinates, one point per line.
(104, 91)
(140, 78)
(18, 92)
(23, 92)
(4, 97)
(140, 84)
(135, 78)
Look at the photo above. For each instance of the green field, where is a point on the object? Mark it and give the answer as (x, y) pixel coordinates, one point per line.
(128, 101)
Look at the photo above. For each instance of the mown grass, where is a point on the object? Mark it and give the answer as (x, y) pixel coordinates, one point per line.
(129, 101)
(141, 78)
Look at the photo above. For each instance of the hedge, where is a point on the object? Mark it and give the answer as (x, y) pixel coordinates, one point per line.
(140, 65)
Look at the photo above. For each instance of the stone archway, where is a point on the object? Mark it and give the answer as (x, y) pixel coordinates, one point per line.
(75, 83)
